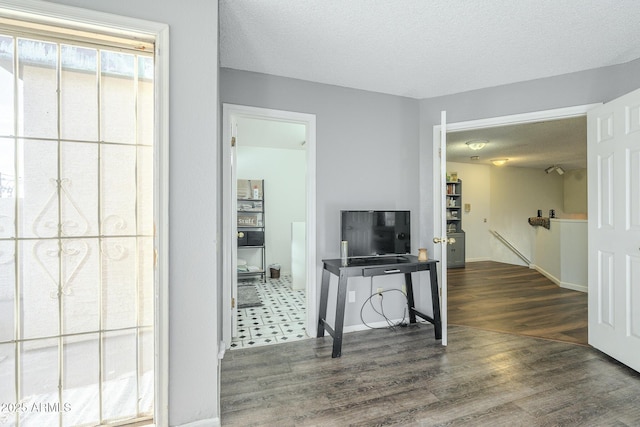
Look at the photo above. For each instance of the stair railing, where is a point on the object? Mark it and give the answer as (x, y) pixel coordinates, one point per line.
(510, 246)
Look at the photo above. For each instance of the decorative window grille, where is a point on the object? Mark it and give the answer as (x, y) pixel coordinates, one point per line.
(76, 230)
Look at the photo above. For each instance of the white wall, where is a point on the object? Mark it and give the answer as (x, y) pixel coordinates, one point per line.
(516, 195)
(561, 253)
(573, 253)
(284, 174)
(506, 197)
(546, 256)
(575, 194)
(476, 190)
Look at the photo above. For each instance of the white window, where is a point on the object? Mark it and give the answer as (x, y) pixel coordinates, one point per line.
(76, 229)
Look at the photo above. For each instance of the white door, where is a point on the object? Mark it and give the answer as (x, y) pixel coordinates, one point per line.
(439, 216)
(613, 158)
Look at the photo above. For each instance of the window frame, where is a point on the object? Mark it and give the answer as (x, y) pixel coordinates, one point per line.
(109, 25)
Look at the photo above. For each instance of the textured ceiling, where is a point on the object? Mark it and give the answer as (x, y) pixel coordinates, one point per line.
(426, 48)
(532, 145)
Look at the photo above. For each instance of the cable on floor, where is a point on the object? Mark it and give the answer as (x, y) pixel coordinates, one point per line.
(390, 323)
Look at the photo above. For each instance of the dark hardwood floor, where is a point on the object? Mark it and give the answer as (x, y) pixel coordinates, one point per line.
(403, 377)
(514, 299)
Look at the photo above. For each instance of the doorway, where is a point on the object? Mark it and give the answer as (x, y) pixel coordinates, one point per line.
(273, 151)
(525, 118)
(545, 169)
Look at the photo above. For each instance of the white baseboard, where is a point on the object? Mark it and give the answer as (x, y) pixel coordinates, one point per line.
(361, 327)
(546, 274)
(566, 285)
(376, 325)
(477, 259)
(210, 422)
(575, 287)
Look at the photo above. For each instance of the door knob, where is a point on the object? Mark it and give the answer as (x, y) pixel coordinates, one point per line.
(450, 240)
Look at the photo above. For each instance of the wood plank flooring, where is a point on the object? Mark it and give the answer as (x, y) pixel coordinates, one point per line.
(403, 377)
(514, 299)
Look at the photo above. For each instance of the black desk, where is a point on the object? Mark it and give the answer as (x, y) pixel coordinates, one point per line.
(368, 267)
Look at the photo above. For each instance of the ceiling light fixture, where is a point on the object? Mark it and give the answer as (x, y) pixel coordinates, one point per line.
(477, 144)
(475, 157)
(499, 162)
(550, 169)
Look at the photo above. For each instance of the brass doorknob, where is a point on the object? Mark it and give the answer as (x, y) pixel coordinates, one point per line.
(449, 240)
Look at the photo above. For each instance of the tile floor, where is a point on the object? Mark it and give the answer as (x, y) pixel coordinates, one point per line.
(281, 318)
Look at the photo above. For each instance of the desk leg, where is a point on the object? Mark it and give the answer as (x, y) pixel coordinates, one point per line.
(339, 323)
(435, 301)
(410, 301)
(324, 296)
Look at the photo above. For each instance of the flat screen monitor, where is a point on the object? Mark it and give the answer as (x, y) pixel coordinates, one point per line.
(371, 233)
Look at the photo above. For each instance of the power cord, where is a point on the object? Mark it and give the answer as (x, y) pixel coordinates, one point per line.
(390, 323)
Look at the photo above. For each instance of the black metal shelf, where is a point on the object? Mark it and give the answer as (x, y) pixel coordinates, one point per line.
(253, 207)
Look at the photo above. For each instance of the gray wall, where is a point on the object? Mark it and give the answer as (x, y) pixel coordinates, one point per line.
(193, 301)
(366, 150)
(587, 87)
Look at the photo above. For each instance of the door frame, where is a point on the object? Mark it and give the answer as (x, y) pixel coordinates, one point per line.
(439, 216)
(513, 119)
(229, 113)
